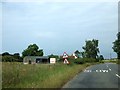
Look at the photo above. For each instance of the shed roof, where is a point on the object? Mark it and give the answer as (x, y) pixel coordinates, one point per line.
(41, 57)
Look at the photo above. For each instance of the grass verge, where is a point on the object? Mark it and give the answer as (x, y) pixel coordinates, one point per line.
(17, 75)
(117, 61)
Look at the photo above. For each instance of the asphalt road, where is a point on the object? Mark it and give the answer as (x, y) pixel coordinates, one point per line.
(96, 76)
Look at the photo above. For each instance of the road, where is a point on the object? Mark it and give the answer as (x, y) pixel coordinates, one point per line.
(97, 76)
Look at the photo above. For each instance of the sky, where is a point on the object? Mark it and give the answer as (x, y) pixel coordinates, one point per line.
(58, 27)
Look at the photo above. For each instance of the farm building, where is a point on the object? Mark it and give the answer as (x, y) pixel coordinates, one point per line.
(36, 59)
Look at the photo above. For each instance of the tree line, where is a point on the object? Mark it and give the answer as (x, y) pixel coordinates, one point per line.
(6, 57)
(116, 45)
(91, 51)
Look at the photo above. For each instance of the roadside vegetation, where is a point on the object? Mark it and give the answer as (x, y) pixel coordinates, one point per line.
(18, 75)
(111, 61)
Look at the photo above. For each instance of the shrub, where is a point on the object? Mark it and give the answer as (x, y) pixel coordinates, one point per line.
(101, 61)
(8, 58)
(79, 61)
(89, 60)
(71, 61)
(118, 61)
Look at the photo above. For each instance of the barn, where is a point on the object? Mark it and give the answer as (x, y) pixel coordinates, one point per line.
(36, 59)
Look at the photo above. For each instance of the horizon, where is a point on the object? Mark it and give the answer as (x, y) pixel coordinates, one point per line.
(58, 27)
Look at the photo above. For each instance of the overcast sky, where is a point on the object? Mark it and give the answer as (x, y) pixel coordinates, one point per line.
(59, 26)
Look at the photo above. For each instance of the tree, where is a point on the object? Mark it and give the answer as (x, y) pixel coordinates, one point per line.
(91, 49)
(116, 45)
(53, 56)
(16, 55)
(101, 57)
(77, 53)
(83, 54)
(32, 50)
(5, 53)
(8, 58)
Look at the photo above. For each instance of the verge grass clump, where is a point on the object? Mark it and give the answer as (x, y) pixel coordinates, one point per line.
(18, 75)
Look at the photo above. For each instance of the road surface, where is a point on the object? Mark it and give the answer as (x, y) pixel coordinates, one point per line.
(97, 76)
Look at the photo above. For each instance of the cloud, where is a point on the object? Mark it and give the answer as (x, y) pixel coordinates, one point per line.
(51, 24)
(45, 35)
(60, 1)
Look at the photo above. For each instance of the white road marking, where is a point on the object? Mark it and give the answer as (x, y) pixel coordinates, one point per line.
(87, 70)
(104, 70)
(117, 75)
(107, 65)
(96, 70)
(109, 69)
(101, 71)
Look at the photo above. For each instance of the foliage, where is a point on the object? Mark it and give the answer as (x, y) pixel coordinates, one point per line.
(32, 50)
(77, 53)
(91, 49)
(6, 57)
(79, 61)
(101, 57)
(83, 54)
(5, 53)
(118, 61)
(60, 59)
(71, 61)
(18, 75)
(53, 56)
(116, 45)
(84, 60)
(89, 60)
(16, 55)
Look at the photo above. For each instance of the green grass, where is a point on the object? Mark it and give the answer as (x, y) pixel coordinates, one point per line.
(111, 61)
(18, 75)
(0, 75)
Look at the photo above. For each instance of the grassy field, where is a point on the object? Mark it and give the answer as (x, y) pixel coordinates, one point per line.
(18, 75)
(112, 61)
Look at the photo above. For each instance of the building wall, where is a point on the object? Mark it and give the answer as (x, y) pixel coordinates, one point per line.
(35, 59)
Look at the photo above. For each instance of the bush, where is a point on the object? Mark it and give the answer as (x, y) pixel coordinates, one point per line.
(79, 61)
(101, 61)
(89, 60)
(85, 60)
(8, 58)
(118, 61)
(71, 61)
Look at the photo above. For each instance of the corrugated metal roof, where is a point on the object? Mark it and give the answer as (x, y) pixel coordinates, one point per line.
(42, 57)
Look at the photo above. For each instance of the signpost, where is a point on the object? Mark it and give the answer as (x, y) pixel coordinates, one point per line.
(65, 57)
(52, 60)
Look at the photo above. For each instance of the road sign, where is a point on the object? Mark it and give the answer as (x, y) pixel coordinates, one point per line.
(53, 60)
(66, 61)
(65, 55)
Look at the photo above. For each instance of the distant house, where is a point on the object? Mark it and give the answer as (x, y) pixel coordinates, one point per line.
(36, 59)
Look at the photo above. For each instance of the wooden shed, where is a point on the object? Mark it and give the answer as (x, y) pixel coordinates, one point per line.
(36, 59)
